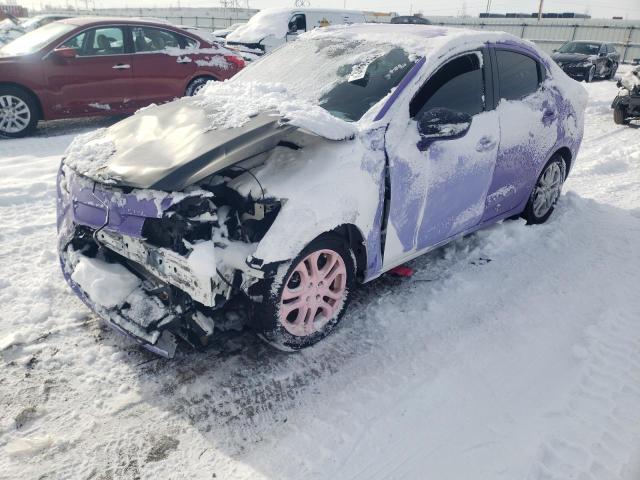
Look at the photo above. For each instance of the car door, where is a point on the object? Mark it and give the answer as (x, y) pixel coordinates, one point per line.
(528, 120)
(297, 26)
(160, 71)
(98, 79)
(438, 184)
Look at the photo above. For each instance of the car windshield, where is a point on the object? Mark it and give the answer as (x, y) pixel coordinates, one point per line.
(344, 76)
(580, 47)
(34, 41)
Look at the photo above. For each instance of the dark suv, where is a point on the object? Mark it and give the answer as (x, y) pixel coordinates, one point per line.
(585, 60)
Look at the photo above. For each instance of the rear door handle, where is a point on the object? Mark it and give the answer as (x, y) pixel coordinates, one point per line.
(121, 66)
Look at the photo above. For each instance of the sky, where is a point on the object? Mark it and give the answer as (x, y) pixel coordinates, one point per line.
(597, 8)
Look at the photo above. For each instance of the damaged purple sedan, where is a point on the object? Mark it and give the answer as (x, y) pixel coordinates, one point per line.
(321, 166)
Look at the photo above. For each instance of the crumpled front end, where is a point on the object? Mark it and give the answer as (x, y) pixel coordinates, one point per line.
(143, 260)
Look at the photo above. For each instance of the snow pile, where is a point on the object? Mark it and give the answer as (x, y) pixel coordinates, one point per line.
(233, 104)
(270, 22)
(631, 79)
(89, 155)
(107, 284)
(202, 262)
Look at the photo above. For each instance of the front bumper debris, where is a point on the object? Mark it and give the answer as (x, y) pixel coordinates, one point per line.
(171, 301)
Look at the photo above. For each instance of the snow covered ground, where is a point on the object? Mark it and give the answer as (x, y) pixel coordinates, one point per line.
(511, 354)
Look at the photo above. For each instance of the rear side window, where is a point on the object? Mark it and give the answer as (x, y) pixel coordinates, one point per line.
(148, 39)
(457, 86)
(518, 75)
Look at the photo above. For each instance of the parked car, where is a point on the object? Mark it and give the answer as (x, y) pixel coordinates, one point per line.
(10, 28)
(272, 27)
(585, 60)
(223, 32)
(410, 19)
(323, 165)
(626, 105)
(107, 66)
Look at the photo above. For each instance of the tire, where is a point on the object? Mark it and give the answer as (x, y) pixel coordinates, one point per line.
(19, 112)
(619, 116)
(291, 331)
(612, 71)
(196, 85)
(590, 75)
(546, 191)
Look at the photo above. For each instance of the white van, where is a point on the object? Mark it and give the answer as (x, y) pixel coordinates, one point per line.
(271, 27)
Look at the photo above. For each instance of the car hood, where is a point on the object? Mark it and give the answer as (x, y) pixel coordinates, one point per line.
(571, 57)
(170, 147)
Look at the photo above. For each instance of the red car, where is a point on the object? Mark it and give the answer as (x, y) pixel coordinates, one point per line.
(107, 66)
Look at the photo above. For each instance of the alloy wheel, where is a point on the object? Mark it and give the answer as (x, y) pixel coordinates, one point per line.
(547, 190)
(15, 114)
(314, 293)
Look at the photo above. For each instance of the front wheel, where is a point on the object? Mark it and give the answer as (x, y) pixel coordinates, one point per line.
(308, 296)
(590, 74)
(546, 192)
(18, 112)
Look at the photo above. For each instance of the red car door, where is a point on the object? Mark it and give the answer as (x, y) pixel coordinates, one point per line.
(160, 72)
(98, 80)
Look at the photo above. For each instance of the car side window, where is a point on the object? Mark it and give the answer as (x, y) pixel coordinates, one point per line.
(76, 42)
(298, 23)
(102, 41)
(457, 86)
(148, 39)
(188, 42)
(518, 75)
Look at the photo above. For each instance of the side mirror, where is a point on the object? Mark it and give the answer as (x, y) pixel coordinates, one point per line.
(442, 124)
(66, 52)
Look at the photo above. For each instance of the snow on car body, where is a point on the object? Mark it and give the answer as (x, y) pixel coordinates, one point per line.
(324, 164)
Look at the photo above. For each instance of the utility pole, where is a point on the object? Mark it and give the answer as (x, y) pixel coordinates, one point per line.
(540, 10)
(488, 6)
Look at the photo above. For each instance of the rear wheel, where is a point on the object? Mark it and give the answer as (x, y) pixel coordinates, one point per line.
(196, 85)
(546, 192)
(18, 112)
(612, 71)
(619, 116)
(309, 295)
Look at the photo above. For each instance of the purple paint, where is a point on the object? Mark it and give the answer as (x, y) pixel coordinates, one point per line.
(127, 212)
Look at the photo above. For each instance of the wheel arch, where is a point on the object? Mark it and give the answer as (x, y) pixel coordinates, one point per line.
(566, 155)
(199, 75)
(30, 92)
(356, 242)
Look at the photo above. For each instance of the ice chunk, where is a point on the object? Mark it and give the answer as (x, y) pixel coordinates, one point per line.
(107, 284)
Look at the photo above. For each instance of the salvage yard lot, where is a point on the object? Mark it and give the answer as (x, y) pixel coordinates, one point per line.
(513, 353)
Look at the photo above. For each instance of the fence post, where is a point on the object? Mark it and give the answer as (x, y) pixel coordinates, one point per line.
(575, 29)
(524, 27)
(627, 44)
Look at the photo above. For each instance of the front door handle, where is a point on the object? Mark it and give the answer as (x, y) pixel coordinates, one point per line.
(121, 66)
(485, 144)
